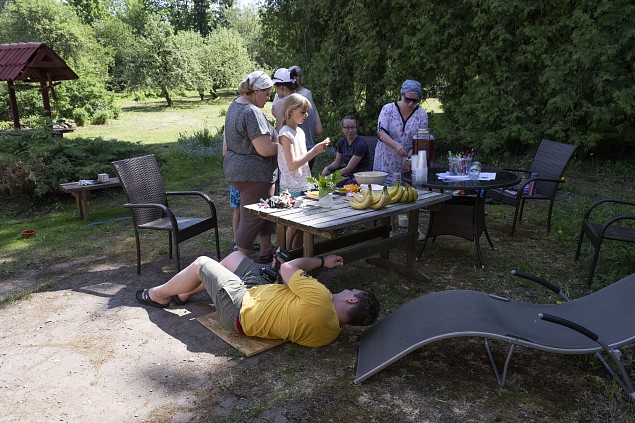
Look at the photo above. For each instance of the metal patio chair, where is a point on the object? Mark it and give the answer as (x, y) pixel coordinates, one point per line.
(543, 177)
(148, 203)
(609, 229)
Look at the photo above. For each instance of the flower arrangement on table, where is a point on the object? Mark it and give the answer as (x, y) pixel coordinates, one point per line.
(459, 163)
(326, 184)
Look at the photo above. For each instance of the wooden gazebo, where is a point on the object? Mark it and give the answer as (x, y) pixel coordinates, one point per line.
(32, 63)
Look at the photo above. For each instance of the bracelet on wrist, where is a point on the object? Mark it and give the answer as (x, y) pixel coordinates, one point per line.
(321, 261)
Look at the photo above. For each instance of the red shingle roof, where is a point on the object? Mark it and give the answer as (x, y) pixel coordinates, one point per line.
(32, 62)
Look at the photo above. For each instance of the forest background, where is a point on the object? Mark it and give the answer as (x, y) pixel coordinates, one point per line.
(508, 73)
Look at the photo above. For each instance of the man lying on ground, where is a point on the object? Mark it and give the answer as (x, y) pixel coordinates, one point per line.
(301, 310)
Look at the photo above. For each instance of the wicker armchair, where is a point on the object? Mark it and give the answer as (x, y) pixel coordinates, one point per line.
(544, 176)
(148, 203)
(372, 144)
(609, 229)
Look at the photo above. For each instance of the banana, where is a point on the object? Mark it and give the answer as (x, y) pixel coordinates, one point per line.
(411, 193)
(415, 194)
(394, 189)
(377, 198)
(402, 192)
(405, 197)
(358, 197)
(396, 196)
(384, 200)
(365, 202)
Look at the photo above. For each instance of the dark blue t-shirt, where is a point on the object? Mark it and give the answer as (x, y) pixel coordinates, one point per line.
(359, 147)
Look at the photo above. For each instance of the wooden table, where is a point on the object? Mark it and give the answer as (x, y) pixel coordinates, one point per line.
(358, 243)
(80, 192)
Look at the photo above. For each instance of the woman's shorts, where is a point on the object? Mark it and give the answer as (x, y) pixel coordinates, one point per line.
(234, 198)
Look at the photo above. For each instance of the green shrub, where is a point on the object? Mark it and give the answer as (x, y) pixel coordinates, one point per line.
(6, 125)
(99, 118)
(201, 143)
(80, 116)
(33, 164)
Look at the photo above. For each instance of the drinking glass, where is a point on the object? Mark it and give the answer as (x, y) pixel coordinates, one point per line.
(475, 171)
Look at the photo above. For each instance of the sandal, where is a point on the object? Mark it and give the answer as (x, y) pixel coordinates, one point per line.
(143, 296)
(175, 300)
(267, 259)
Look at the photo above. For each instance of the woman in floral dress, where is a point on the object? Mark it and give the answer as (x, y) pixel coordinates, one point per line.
(397, 124)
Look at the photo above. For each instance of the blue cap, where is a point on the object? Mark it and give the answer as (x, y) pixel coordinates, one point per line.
(411, 86)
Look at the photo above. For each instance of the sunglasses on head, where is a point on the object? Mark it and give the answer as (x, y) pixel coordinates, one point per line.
(411, 100)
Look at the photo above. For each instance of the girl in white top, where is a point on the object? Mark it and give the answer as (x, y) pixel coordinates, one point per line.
(293, 157)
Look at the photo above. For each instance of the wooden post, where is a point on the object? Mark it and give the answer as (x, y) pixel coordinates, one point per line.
(14, 105)
(45, 98)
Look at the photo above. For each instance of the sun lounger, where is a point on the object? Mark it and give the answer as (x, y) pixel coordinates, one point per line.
(598, 323)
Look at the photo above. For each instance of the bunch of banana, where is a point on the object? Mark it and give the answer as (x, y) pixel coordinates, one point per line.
(363, 200)
(395, 192)
(409, 195)
(402, 193)
(382, 201)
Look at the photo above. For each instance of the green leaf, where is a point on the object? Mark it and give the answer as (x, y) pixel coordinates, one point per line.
(326, 184)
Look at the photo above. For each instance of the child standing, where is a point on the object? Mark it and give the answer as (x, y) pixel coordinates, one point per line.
(293, 157)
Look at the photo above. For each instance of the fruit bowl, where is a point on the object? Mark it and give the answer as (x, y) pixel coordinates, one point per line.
(372, 177)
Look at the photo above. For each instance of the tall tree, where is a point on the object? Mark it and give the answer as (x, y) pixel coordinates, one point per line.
(195, 15)
(226, 60)
(509, 72)
(88, 11)
(164, 60)
(246, 22)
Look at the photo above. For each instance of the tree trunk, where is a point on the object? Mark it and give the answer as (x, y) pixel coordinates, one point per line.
(166, 94)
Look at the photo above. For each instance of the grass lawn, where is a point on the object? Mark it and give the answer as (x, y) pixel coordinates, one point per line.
(151, 121)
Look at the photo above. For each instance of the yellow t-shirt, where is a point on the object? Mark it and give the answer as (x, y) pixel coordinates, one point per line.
(300, 312)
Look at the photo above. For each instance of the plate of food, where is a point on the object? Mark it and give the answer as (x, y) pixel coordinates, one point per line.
(313, 195)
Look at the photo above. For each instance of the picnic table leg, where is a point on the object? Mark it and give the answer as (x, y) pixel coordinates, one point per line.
(408, 268)
(413, 231)
(308, 244)
(385, 255)
(281, 235)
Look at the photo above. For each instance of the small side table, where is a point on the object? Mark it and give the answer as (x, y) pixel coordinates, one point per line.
(462, 216)
(80, 192)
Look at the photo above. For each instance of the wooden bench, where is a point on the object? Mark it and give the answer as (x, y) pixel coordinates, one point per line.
(80, 192)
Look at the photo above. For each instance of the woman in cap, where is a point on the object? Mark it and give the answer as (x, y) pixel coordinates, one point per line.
(251, 164)
(284, 85)
(397, 124)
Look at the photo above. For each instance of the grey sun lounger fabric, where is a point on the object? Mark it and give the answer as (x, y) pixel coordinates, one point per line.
(609, 313)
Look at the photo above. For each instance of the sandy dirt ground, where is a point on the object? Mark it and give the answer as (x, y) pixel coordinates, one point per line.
(87, 352)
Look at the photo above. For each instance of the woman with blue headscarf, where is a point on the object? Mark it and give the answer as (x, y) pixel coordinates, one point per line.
(397, 124)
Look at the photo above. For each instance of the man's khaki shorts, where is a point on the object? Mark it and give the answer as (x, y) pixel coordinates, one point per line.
(227, 289)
